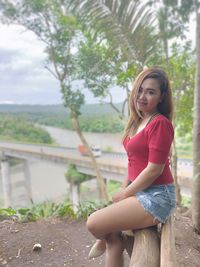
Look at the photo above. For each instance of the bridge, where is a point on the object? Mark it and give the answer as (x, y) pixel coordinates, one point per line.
(111, 168)
(112, 165)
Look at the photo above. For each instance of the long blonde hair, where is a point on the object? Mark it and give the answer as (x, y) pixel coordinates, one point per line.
(165, 107)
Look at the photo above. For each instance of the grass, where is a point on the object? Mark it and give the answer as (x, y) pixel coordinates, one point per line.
(186, 201)
(184, 154)
(112, 188)
(184, 147)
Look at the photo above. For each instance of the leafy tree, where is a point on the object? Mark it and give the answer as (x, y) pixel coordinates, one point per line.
(182, 79)
(74, 176)
(181, 71)
(184, 10)
(120, 39)
(105, 52)
(170, 23)
(52, 23)
(100, 66)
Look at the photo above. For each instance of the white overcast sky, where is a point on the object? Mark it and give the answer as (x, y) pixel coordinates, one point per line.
(24, 80)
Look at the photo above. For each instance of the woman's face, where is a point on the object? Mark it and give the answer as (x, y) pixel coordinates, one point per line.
(148, 97)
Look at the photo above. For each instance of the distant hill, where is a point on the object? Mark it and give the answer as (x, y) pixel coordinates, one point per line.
(94, 118)
(32, 109)
(89, 109)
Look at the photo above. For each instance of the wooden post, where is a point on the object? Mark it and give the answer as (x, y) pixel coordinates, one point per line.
(167, 250)
(6, 182)
(28, 180)
(146, 251)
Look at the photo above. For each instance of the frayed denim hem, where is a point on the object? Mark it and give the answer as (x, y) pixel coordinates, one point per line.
(145, 206)
(159, 201)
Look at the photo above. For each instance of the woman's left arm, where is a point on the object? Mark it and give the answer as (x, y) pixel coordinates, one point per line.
(143, 180)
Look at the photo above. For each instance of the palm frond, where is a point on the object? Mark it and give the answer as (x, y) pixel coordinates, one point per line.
(122, 22)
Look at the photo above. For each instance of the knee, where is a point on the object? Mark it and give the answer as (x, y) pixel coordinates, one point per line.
(92, 224)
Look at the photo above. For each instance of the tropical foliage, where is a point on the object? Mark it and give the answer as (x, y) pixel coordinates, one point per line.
(19, 129)
(50, 209)
(126, 24)
(103, 124)
(38, 211)
(74, 176)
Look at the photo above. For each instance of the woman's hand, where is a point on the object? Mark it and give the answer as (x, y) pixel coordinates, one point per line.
(119, 196)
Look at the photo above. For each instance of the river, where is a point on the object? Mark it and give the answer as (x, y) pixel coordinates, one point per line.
(105, 141)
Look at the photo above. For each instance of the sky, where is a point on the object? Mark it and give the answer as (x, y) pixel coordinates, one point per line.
(24, 78)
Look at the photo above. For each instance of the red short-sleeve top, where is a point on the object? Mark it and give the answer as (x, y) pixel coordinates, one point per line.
(151, 144)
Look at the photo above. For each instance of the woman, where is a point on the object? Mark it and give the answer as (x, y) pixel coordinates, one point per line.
(148, 193)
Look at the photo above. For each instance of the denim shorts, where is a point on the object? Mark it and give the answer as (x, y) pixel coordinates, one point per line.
(158, 200)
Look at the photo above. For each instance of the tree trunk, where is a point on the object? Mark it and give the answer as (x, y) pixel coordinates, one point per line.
(174, 173)
(196, 135)
(100, 180)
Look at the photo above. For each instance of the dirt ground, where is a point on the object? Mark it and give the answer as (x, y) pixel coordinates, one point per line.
(66, 242)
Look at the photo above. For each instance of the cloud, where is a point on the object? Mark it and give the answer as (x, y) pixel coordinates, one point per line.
(7, 55)
(24, 78)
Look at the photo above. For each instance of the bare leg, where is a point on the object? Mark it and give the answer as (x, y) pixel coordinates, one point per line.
(114, 251)
(124, 215)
